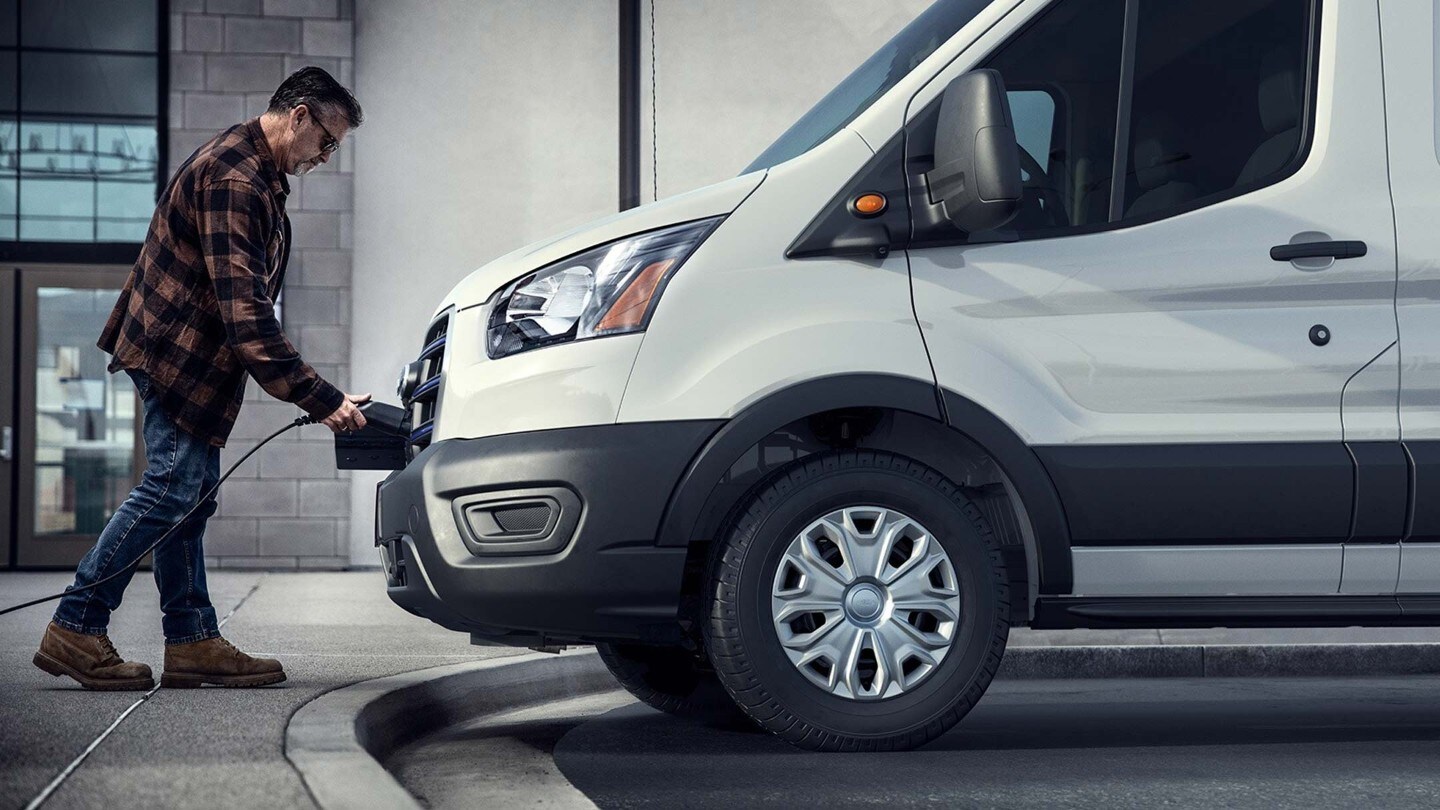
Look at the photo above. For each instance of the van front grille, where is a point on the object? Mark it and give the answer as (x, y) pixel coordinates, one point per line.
(424, 403)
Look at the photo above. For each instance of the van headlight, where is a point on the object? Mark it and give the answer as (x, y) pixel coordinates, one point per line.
(610, 290)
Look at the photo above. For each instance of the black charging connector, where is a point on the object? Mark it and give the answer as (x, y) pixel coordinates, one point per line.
(383, 444)
(387, 419)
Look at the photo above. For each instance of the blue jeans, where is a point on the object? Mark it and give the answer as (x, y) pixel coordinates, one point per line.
(180, 468)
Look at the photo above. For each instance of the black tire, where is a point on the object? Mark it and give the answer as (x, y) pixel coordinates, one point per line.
(672, 680)
(744, 645)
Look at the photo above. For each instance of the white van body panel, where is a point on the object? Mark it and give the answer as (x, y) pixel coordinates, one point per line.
(1411, 32)
(1185, 330)
(1412, 79)
(569, 385)
(1367, 406)
(739, 321)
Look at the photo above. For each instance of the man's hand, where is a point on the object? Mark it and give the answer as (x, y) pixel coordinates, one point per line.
(347, 417)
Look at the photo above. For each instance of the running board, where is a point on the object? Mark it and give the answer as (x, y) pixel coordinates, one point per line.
(1064, 612)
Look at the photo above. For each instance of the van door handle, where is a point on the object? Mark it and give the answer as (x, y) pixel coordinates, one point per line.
(7, 443)
(1318, 250)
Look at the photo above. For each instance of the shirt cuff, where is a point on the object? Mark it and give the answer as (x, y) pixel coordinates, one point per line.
(322, 400)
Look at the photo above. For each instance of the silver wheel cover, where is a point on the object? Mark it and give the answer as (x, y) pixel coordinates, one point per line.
(865, 603)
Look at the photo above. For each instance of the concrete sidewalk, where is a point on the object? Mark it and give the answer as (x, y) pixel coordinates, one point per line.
(201, 747)
(186, 748)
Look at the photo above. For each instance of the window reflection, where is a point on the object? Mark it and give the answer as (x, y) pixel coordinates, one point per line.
(84, 182)
(84, 83)
(79, 109)
(112, 25)
(9, 176)
(84, 417)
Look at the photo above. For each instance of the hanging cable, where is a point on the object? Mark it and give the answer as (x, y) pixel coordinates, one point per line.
(654, 116)
(304, 420)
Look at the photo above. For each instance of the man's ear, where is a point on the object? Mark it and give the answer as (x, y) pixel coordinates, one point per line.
(298, 114)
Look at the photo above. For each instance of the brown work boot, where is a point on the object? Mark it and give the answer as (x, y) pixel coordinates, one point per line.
(91, 661)
(216, 661)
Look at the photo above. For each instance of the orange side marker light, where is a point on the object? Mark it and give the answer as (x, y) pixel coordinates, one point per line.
(869, 204)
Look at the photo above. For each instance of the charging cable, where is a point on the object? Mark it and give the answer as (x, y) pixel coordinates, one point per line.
(303, 420)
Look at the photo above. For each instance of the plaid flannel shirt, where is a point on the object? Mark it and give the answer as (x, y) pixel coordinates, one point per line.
(197, 312)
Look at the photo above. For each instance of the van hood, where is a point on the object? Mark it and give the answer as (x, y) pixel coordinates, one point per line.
(721, 198)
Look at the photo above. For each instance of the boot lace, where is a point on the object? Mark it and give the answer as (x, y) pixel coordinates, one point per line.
(108, 655)
(230, 648)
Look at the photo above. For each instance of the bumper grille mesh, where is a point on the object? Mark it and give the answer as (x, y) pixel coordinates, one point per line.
(523, 519)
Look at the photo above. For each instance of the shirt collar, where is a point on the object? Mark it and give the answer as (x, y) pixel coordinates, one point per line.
(278, 182)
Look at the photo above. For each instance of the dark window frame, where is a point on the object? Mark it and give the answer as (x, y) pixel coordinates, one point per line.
(102, 252)
(1123, 117)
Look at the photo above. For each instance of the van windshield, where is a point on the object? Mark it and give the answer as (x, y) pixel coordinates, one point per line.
(871, 80)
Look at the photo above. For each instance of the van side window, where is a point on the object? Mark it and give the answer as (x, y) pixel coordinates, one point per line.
(1213, 104)
(1070, 57)
(1034, 117)
(1217, 104)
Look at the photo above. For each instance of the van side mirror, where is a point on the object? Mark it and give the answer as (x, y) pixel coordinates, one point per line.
(976, 178)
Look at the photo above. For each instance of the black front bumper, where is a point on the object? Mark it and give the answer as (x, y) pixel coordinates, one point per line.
(591, 573)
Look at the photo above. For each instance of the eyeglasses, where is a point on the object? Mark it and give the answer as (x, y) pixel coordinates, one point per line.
(330, 145)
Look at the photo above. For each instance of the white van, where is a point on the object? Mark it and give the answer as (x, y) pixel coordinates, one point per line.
(1059, 313)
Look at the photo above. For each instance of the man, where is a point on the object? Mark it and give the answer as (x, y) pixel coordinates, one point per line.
(195, 316)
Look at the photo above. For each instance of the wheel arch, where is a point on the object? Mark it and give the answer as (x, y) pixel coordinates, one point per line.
(940, 428)
(1036, 492)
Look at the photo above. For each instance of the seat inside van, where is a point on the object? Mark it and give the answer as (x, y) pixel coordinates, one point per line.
(1161, 170)
(1280, 98)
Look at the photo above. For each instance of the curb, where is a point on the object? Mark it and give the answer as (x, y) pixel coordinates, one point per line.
(1220, 661)
(337, 741)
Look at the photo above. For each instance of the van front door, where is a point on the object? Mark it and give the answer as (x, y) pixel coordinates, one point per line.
(1158, 322)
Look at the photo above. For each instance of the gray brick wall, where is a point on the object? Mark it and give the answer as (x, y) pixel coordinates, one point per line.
(287, 507)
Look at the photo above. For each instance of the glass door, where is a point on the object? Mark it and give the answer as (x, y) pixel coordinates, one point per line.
(78, 431)
(8, 294)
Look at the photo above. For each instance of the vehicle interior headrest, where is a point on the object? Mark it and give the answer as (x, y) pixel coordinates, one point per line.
(1157, 159)
(1280, 91)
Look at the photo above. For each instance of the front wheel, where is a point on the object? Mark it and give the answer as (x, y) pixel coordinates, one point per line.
(859, 603)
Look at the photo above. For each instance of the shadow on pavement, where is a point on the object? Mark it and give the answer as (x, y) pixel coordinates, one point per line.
(1238, 742)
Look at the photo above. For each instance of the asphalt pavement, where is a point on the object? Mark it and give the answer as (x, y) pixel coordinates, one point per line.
(1169, 742)
(200, 747)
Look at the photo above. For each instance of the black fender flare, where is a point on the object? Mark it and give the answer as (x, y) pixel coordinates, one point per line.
(690, 502)
(1038, 495)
